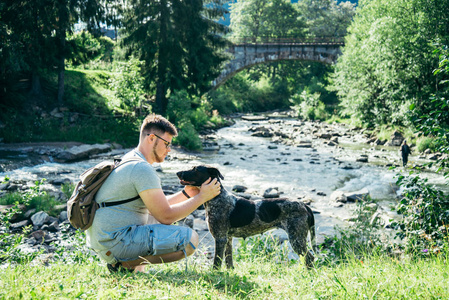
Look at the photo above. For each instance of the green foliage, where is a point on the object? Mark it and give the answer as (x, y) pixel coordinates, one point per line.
(180, 113)
(361, 239)
(128, 85)
(255, 20)
(88, 129)
(188, 136)
(308, 106)
(71, 248)
(84, 47)
(241, 94)
(171, 37)
(86, 90)
(67, 189)
(191, 115)
(424, 143)
(387, 61)
(326, 18)
(376, 276)
(261, 248)
(425, 223)
(10, 242)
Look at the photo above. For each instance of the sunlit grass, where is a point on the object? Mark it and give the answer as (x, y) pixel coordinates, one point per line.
(375, 277)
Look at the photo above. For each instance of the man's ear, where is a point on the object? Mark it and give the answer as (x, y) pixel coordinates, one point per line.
(214, 172)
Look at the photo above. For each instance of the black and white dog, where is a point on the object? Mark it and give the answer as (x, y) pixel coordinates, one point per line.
(232, 216)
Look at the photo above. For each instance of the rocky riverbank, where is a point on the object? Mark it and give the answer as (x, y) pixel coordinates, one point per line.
(341, 143)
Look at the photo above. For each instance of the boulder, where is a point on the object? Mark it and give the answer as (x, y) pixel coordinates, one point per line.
(63, 216)
(40, 218)
(82, 152)
(362, 158)
(53, 227)
(239, 188)
(338, 196)
(17, 227)
(396, 139)
(261, 132)
(304, 144)
(254, 118)
(271, 193)
(210, 146)
(357, 196)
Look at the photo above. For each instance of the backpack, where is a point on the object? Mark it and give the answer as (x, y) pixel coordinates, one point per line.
(82, 206)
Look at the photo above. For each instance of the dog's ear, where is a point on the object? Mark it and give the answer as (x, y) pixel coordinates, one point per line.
(215, 173)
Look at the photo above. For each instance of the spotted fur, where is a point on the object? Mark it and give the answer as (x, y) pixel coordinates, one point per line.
(231, 216)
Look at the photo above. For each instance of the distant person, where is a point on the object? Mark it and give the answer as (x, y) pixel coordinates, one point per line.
(127, 235)
(405, 152)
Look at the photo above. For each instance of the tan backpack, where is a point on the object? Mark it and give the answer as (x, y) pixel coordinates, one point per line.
(82, 206)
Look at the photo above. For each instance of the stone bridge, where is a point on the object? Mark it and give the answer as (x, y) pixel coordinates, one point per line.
(247, 52)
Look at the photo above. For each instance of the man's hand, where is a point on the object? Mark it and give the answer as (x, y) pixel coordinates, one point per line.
(209, 189)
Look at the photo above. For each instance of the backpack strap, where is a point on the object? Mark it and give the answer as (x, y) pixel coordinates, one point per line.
(118, 162)
(113, 203)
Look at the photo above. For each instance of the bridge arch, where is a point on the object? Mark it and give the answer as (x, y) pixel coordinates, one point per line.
(249, 53)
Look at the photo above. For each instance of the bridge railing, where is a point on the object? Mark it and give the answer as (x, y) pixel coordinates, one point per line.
(288, 40)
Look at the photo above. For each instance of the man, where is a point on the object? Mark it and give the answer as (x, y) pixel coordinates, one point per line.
(405, 152)
(125, 235)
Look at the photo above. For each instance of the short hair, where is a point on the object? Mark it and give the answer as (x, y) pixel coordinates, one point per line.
(157, 123)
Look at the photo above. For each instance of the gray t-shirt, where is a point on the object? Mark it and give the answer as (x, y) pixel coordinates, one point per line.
(127, 181)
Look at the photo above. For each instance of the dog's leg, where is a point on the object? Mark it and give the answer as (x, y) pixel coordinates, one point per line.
(228, 254)
(220, 244)
(297, 230)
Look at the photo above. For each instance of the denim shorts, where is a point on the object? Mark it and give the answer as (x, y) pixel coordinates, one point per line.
(155, 239)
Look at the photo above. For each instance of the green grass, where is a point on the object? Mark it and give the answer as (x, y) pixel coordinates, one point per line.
(43, 202)
(370, 278)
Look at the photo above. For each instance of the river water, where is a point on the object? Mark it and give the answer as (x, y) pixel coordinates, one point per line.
(260, 163)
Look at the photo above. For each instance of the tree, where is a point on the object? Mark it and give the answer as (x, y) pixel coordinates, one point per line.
(38, 31)
(256, 19)
(327, 18)
(387, 62)
(177, 43)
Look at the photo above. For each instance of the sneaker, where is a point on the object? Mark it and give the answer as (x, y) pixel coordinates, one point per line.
(118, 268)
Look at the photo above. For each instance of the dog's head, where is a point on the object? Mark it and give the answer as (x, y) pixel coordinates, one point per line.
(196, 176)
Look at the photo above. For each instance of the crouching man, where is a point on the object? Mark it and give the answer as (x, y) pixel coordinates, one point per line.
(126, 236)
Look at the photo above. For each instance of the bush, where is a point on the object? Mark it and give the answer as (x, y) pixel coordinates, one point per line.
(82, 47)
(128, 85)
(188, 136)
(308, 106)
(425, 223)
(423, 143)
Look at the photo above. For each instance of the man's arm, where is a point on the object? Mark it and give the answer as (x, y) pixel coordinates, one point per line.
(180, 197)
(167, 213)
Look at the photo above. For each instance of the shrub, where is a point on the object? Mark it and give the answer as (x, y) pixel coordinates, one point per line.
(83, 47)
(188, 136)
(9, 242)
(423, 143)
(308, 106)
(128, 85)
(425, 223)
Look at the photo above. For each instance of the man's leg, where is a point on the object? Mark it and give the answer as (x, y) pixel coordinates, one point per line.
(139, 264)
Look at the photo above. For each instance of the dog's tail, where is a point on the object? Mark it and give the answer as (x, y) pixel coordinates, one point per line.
(311, 223)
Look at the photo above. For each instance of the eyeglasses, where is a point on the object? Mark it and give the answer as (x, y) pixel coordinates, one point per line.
(167, 143)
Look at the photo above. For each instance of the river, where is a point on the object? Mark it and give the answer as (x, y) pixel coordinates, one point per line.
(261, 163)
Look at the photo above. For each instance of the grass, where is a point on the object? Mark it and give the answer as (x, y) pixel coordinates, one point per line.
(378, 277)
